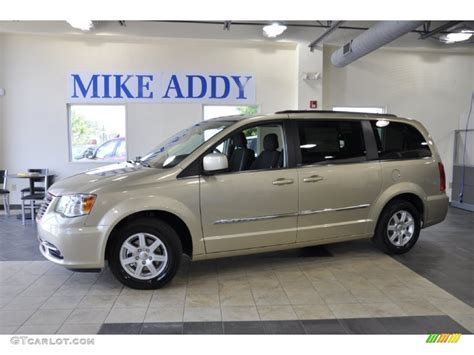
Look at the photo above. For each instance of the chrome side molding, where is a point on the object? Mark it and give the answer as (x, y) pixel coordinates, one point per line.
(295, 214)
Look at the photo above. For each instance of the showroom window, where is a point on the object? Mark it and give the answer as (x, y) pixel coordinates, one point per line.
(213, 111)
(329, 141)
(97, 133)
(396, 140)
(361, 109)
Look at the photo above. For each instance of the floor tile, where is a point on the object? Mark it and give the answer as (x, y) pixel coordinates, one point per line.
(441, 324)
(79, 328)
(349, 310)
(323, 326)
(162, 314)
(87, 316)
(276, 312)
(133, 301)
(202, 300)
(97, 301)
(243, 328)
(202, 314)
(126, 315)
(121, 328)
(313, 312)
(162, 328)
(38, 329)
(203, 328)
(363, 326)
(236, 298)
(283, 327)
(402, 325)
(24, 303)
(8, 329)
(62, 302)
(386, 309)
(239, 313)
(48, 316)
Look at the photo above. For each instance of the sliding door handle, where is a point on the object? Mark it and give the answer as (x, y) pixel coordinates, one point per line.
(282, 181)
(313, 178)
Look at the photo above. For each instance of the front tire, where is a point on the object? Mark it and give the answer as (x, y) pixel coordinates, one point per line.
(398, 227)
(145, 254)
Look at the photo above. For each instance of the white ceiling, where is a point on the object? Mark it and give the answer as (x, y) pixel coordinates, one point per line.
(298, 31)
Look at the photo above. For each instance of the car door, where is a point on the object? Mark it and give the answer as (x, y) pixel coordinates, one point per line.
(255, 207)
(337, 180)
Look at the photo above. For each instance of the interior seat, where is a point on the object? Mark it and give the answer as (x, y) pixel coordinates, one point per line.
(270, 157)
(241, 157)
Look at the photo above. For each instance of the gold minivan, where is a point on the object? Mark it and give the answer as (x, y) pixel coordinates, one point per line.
(240, 185)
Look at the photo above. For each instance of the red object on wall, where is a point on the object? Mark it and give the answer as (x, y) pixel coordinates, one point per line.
(313, 104)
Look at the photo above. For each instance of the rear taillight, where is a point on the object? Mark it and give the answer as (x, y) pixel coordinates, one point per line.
(442, 177)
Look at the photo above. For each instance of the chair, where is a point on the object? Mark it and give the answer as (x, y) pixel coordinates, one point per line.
(34, 194)
(3, 190)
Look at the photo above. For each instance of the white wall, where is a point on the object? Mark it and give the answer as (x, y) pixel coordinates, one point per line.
(432, 87)
(309, 62)
(35, 69)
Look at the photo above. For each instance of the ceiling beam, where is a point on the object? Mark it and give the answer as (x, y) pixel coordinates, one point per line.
(334, 26)
(439, 29)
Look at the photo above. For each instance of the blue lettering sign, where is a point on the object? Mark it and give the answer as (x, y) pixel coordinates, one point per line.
(93, 81)
(173, 85)
(144, 83)
(194, 87)
(226, 83)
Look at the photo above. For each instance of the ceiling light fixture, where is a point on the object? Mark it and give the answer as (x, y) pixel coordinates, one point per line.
(454, 37)
(273, 30)
(83, 25)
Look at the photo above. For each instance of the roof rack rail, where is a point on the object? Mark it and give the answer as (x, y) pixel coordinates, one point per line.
(329, 111)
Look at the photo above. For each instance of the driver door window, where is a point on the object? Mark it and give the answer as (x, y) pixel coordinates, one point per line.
(261, 147)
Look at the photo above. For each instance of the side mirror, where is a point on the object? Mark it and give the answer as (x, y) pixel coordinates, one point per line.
(215, 162)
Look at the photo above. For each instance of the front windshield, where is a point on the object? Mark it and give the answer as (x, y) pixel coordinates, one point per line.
(175, 149)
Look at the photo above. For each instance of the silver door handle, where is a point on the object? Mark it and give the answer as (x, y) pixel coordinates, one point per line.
(282, 181)
(313, 178)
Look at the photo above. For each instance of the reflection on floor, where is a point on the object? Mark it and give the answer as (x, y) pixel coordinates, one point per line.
(347, 287)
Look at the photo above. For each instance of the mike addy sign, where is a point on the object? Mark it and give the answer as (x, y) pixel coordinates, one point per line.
(162, 87)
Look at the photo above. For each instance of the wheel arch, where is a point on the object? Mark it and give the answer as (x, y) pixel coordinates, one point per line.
(172, 219)
(412, 193)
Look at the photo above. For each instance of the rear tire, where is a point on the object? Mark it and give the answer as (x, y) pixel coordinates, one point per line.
(398, 227)
(145, 254)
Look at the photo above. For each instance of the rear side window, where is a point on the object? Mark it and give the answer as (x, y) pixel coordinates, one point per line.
(331, 141)
(396, 140)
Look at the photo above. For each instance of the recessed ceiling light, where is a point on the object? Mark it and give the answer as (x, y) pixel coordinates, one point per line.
(453, 37)
(273, 30)
(83, 25)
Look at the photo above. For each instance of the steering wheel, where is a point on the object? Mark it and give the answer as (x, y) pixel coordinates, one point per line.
(216, 151)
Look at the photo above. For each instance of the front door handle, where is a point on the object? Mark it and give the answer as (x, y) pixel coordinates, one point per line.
(282, 181)
(313, 178)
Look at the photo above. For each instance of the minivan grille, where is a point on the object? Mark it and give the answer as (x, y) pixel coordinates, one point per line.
(44, 206)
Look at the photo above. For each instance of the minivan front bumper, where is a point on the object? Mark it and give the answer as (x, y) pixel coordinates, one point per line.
(73, 246)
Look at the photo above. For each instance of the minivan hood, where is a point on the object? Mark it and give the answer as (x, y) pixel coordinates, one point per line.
(108, 177)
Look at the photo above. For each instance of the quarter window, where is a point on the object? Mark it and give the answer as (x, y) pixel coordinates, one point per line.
(331, 141)
(396, 140)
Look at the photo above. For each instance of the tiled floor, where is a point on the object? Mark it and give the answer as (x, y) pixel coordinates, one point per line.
(343, 288)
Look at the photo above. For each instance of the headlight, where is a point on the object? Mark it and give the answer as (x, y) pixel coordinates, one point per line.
(75, 205)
